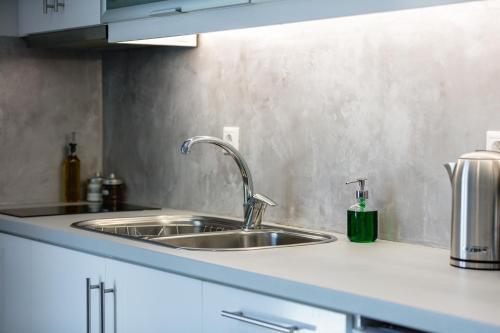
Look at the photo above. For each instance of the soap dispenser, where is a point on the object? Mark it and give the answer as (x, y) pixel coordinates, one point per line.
(362, 219)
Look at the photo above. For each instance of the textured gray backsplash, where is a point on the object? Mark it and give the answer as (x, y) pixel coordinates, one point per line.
(388, 96)
(43, 96)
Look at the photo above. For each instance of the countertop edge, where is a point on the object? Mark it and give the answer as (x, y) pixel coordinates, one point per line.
(335, 300)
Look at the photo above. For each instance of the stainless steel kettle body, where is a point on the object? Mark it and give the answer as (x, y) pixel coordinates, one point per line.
(475, 218)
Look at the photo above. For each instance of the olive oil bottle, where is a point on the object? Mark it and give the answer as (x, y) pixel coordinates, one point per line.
(71, 173)
(362, 220)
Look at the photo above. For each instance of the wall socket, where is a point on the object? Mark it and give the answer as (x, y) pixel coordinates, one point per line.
(493, 140)
(231, 135)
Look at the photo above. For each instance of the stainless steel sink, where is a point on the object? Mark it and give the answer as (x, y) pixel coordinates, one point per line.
(245, 240)
(202, 232)
(149, 227)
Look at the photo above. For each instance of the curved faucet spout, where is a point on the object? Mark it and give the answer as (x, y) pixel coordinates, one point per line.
(235, 154)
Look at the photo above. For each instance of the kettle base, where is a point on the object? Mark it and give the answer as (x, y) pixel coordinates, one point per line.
(481, 265)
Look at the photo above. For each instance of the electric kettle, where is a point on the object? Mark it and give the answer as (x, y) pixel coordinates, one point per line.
(475, 216)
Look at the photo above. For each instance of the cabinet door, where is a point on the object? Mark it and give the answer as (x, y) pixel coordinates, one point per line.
(33, 18)
(148, 300)
(15, 284)
(59, 289)
(123, 10)
(229, 310)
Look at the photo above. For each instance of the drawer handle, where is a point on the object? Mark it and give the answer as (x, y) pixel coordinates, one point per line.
(259, 322)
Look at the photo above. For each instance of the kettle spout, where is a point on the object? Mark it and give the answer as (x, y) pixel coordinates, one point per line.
(450, 167)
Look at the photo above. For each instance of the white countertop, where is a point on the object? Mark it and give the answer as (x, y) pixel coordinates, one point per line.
(401, 283)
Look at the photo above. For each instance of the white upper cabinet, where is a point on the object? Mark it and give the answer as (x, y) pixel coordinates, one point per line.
(37, 16)
(155, 19)
(146, 19)
(122, 10)
(8, 18)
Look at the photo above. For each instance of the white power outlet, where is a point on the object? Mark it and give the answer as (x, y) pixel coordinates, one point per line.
(493, 140)
(231, 135)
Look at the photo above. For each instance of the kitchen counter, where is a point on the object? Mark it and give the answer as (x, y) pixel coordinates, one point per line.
(400, 283)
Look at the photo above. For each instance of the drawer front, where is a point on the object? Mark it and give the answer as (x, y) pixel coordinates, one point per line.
(229, 310)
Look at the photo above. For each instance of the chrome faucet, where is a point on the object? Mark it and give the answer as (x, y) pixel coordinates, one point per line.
(254, 205)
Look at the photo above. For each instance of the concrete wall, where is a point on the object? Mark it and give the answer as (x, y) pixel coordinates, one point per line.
(43, 96)
(388, 96)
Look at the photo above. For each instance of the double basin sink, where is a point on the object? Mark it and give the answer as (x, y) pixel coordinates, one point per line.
(203, 232)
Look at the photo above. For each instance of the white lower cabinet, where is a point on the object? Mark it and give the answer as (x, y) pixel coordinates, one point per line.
(229, 310)
(50, 289)
(15, 284)
(135, 298)
(59, 301)
(152, 301)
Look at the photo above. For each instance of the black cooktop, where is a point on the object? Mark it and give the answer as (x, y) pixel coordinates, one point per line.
(71, 209)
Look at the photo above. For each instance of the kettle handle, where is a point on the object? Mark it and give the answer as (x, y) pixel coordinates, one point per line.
(450, 168)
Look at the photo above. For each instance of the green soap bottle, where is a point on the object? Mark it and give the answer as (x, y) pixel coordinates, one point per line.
(362, 219)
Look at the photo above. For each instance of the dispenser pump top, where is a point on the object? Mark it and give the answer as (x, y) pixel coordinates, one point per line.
(361, 192)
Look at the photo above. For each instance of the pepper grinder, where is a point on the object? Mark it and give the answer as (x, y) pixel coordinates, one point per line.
(112, 192)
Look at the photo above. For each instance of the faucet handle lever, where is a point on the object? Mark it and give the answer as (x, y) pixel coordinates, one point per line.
(262, 199)
(256, 207)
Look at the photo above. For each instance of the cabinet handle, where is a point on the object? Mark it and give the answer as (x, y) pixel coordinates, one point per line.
(202, 5)
(89, 288)
(47, 6)
(259, 322)
(57, 4)
(104, 291)
(165, 12)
